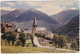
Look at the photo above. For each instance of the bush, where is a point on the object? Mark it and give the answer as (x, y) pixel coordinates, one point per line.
(13, 36)
(4, 36)
(62, 41)
(78, 42)
(43, 36)
(48, 38)
(56, 40)
(40, 35)
(9, 36)
(18, 43)
(74, 45)
(59, 41)
(22, 38)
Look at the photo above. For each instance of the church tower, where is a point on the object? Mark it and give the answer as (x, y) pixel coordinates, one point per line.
(34, 26)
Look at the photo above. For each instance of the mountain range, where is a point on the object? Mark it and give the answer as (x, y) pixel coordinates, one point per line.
(71, 28)
(4, 12)
(23, 18)
(65, 16)
(26, 16)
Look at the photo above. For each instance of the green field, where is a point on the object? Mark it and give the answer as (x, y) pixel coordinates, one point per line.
(19, 49)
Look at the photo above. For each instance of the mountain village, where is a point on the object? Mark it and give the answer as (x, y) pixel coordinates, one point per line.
(39, 27)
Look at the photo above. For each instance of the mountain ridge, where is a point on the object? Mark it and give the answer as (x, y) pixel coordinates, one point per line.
(71, 28)
(23, 17)
(64, 16)
(19, 16)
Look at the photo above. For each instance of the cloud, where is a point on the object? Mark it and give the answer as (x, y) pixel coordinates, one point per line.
(33, 3)
(65, 3)
(51, 10)
(73, 8)
(79, 4)
(49, 7)
(36, 3)
(7, 8)
(11, 3)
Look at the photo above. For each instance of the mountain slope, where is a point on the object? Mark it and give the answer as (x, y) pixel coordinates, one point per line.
(24, 18)
(3, 12)
(27, 15)
(71, 28)
(12, 15)
(65, 16)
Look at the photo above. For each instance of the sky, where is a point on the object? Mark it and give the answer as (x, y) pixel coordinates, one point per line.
(48, 7)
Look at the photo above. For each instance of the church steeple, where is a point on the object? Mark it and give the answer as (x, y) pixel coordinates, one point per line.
(34, 26)
(35, 21)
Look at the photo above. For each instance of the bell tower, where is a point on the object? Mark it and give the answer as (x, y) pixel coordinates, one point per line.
(34, 26)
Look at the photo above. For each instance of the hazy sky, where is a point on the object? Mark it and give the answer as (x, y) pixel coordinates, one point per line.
(48, 7)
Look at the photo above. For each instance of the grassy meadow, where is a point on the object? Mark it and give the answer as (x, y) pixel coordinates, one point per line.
(19, 49)
(29, 49)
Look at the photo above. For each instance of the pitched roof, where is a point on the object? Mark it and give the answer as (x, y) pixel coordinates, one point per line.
(41, 29)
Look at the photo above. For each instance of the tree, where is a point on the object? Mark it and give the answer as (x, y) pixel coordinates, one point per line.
(74, 45)
(22, 38)
(56, 40)
(40, 35)
(78, 42)
(62, 41)
(4, 37)
(13, 37)
(9, 36)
